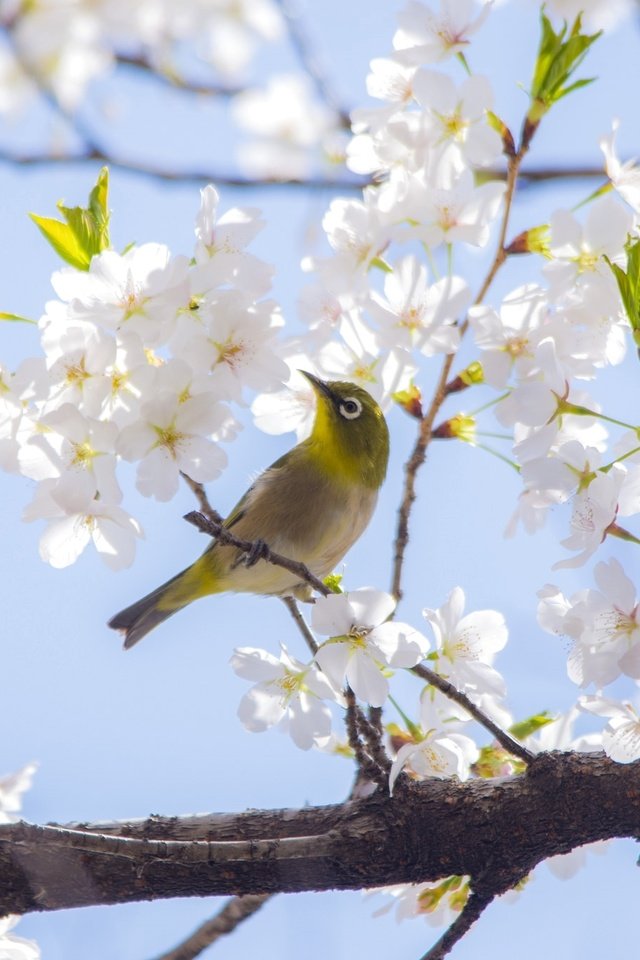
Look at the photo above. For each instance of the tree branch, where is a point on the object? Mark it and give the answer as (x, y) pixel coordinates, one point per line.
(471, 911)
(203, 500)
(346, 182)
(505, 739)
(309, 60)
(142, 64)
(231, 916)
(257, 548)
(492, 830)
(419, 453)
(151, 171)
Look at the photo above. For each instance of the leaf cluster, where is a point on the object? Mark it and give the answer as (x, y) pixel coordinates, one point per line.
(559, 55)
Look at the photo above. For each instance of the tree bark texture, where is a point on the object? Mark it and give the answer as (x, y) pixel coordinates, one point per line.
(495, 831)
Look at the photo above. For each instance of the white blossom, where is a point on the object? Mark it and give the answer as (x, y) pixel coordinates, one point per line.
(363, 643)
(286, 692)
(467, 644)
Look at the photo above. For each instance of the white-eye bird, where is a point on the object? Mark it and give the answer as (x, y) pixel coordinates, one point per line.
(311, 505)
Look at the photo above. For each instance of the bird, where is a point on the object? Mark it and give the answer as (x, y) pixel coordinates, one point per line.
(311, 505)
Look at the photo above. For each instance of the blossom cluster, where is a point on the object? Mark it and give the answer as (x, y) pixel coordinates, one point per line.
(363, 649)
(373, 310)
(65, 44)
(144, 351)
(59, 47)
(139, 353)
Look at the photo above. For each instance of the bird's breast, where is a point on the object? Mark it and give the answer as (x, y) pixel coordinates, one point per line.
(315, 522)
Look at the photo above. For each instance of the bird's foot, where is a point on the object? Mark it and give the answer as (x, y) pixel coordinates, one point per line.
(259, 551)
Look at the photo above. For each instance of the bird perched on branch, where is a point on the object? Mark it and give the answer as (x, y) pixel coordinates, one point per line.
(311, 505)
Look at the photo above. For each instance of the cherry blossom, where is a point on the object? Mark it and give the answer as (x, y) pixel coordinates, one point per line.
(458, 117)
(140, 290)
(414, 314)
(16, 948)
(287, 693)
(12, 787)
(594, 510)
(625, 177)
(362, 642)
(577, 263)
(603, 624)
(427, 37)
(508, 340)
(174, 433)
(74, 521)
(466, 644)
(621, 736)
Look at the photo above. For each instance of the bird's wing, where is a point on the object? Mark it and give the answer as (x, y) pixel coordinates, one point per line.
(241, 506)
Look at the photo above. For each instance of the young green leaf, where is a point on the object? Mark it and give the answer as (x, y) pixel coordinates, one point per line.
(629, 286)
(63, 240)
(524, 728)
(84, 232)
(558, 57)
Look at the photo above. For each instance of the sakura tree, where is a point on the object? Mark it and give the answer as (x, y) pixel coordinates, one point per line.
(491, 309)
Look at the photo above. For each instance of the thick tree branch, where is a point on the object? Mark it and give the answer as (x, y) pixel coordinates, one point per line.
(495, 831)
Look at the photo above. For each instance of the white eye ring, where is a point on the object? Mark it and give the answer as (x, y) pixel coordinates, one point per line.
(350, 408)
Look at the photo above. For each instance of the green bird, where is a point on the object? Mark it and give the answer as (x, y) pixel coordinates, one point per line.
(311, 505)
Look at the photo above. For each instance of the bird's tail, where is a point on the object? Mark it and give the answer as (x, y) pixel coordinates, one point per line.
(141, 617)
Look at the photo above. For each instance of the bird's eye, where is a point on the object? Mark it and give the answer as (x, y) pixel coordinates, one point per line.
(350, 408)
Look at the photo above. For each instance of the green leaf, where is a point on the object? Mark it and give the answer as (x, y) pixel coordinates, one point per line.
(525, 728)
(559, 55)
(629, 284)
(15, 318)
(83, 232)
(62, 239)
(333, 582)
(84, 228)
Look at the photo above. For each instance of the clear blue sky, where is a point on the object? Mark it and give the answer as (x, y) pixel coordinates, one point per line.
(155, 730)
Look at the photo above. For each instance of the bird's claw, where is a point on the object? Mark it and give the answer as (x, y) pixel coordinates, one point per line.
(259, 551)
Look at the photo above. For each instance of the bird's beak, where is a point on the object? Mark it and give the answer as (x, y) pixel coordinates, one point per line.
(318, 385)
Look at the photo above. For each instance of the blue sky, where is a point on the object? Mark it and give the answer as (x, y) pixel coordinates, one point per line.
(120, 735)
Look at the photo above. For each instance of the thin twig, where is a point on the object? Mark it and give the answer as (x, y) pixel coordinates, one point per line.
(309, 60)
(473, 908)
(357, 723)
(367, 766)
(504, 739)
(141, 63)
(231, 916)
(262, 550)
(372, 734)
(419, 453)
(349, 183)
(309, 638)
(202, 498)
(345, 182)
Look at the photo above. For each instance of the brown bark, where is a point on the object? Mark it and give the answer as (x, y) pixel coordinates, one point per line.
(496, 831)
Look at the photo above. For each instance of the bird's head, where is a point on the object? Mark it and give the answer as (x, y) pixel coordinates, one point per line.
(350, 435)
